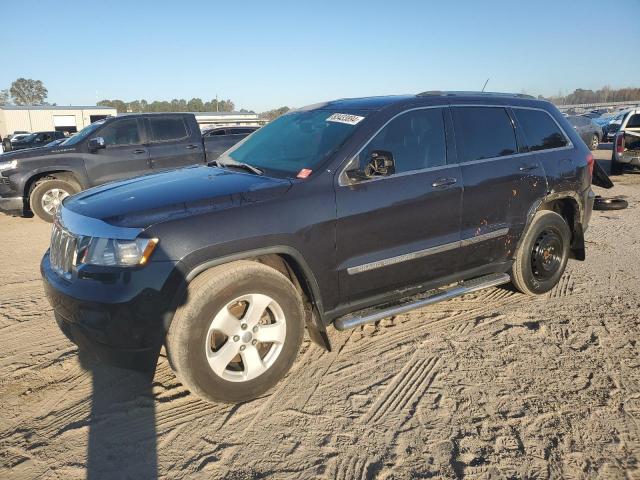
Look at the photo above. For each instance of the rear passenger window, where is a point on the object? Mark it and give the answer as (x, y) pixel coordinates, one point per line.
(484, 132)
(541, 130)
(416, 140)
(167, 128)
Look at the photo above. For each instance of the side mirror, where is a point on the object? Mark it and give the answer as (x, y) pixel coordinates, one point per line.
(381, 164)
(96, 144)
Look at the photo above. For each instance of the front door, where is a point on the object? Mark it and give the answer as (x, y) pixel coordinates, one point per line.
(124, 154)
(401, 230)
(171, 144)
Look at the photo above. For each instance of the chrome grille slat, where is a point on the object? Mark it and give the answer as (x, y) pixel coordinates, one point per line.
(62, 251)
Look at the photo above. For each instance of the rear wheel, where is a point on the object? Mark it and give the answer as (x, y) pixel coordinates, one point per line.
(238, 333)
(542, 255)
(47, 196)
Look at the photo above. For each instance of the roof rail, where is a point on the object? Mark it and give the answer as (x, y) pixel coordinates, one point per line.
(439, 93)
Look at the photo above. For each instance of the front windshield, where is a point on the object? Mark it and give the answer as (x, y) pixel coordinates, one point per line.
(296, 141)
(84, 133)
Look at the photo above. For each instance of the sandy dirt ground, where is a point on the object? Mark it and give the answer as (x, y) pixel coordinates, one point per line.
(490, 385)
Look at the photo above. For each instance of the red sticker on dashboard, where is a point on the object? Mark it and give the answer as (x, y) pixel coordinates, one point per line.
(304, 173)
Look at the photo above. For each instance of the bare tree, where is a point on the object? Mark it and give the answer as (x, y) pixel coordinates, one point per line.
(4, 97)
(26, 91)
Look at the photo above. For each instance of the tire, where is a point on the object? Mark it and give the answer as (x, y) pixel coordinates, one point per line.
(47, 193)
(542, 256)
(205, 329)
(602, 203)
(594, 143)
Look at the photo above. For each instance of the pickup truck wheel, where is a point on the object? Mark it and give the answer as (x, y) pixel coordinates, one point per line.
(237, 334)
(542, 255)
(594, 142)
(47, 195)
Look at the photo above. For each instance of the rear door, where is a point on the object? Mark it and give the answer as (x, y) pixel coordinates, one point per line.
(171, 143)
(400, 230)
(124, 154)
(501, 182)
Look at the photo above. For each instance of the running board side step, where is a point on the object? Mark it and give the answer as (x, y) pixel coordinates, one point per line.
(422, 300)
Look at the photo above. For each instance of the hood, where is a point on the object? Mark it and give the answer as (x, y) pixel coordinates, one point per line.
(143, 201)
(26, 153)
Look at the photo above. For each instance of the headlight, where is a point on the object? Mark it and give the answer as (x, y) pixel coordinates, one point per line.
(8, 165)
(114, 252)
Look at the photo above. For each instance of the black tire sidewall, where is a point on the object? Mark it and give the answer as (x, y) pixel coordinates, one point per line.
(206, 381)
(555, 222)
(35, 198)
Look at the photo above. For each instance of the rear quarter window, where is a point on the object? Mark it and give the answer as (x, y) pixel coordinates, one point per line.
(167, 128)
(484, 132)
(541, 131)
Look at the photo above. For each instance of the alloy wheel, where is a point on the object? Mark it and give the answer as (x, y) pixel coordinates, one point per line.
(52, 199)
(245, 337)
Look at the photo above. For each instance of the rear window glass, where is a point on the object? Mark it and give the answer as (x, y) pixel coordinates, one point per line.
(541, 131)
(634, 121)
(484, 132)
(167, 128)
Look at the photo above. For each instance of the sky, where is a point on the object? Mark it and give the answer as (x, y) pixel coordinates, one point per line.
(266, 54)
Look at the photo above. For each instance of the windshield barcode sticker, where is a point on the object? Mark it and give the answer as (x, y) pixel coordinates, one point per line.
(345, 118)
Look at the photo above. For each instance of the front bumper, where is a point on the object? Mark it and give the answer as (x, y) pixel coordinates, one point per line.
(96, 316)
(12, 205)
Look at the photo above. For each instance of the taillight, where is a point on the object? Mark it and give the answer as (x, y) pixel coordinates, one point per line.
(590, 162)
(620, 144)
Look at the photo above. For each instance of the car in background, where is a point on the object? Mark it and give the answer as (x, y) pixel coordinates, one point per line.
(626, 143)
(220, 139)
(36, 180)
(589, 131)
(613, 125)
(6, 141)
(37, 139)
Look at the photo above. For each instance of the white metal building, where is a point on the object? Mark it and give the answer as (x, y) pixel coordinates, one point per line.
(224, 119)
(50, 118)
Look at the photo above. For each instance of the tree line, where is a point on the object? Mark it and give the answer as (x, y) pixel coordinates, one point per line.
(175, 105)
(604, 95)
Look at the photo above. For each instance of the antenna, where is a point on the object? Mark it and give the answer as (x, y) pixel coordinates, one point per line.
(485, 84)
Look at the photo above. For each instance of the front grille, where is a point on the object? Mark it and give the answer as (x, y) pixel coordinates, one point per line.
(62, 251)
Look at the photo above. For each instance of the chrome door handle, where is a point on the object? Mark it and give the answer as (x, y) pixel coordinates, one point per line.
(139, 151)
(191, 147)
(444, 182)
(527, 168)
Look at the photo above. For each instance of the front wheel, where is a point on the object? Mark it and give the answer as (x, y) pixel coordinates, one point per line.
(238, 332)
(47, 196)
(542, 256)
(594, 142)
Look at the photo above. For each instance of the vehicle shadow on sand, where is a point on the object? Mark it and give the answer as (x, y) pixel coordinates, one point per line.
(122, 423)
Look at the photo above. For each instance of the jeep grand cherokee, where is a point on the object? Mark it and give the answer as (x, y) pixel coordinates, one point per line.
(340, 213)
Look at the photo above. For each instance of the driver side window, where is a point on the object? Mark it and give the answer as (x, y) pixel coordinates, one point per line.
(121, 132)
(415, 139)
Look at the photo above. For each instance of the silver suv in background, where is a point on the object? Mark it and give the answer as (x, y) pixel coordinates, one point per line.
(626, 143)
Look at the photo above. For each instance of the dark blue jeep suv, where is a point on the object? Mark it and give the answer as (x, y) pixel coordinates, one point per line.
(341, 213)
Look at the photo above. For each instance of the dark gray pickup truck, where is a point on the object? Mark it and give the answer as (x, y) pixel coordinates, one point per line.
(38, 179)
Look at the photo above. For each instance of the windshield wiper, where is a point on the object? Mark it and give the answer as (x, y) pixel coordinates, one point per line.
(233, 163)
